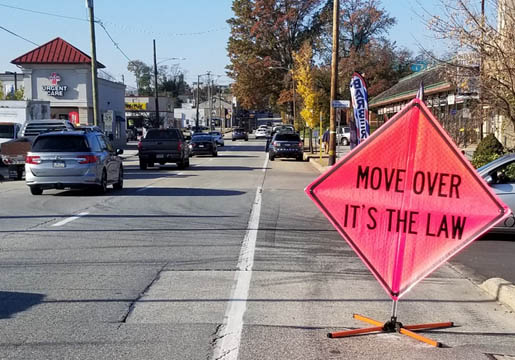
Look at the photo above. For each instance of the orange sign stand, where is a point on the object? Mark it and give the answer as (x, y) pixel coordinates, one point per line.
(393, 326)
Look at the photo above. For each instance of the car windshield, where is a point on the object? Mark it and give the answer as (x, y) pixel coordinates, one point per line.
(162, 134)
(6, 131)
(202, 138)
(68, 143)
(287, 137)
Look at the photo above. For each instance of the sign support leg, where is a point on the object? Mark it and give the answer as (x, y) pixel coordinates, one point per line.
(393, 326)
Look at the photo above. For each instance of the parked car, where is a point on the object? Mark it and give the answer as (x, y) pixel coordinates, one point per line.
(500, 175)
(203, 145)
(15, 151)
(240, 134)
(74, 159)
(343, 135)
(286, 145)
(163, 146)
(262, 133)
(219, 138)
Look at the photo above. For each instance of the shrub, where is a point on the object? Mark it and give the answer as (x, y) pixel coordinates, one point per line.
(488, 150)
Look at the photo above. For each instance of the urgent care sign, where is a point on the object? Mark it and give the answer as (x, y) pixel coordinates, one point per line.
(406, 199)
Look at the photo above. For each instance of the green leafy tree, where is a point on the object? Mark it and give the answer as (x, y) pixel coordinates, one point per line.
(143, 74)
(488, 150)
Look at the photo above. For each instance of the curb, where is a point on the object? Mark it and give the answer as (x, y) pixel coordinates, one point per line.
(502, 290)
(316, 165)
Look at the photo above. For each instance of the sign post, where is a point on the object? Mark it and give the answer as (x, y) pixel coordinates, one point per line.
(406, 206)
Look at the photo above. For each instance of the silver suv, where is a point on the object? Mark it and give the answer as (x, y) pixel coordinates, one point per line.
(73, 159)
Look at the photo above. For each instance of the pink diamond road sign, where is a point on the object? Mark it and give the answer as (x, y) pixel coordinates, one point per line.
(406, 199)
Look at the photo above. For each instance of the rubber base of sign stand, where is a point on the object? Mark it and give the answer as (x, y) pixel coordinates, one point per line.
(393, 326)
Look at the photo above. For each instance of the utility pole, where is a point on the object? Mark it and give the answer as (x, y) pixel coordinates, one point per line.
(155, 86)
(334, 82)
(94, 73)
(209, 97)
(198, 103)
(222, 115)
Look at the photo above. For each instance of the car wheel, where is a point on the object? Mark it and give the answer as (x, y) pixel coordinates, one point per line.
(142, 164)
(271, 157)
(300, 158)
(215, 153)
(102, 188)
(36, 190)
(119, 185)
(181, 164)
(246, 139)
(187, 163)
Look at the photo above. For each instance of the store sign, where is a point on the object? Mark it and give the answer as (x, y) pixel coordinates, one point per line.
(55, 89)
(135, 106)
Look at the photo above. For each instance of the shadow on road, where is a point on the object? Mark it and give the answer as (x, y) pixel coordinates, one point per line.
(225, 168)
(153, 191)
(16, 302)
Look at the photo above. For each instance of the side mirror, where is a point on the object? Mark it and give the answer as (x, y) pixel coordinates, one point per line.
(119, 151)
(489, 179)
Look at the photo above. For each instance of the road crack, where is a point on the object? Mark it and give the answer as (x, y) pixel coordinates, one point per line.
(132, 305)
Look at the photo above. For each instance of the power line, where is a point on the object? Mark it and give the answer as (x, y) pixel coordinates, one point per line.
(19, 36)
(132, 29)
(44, 13)
(114, 42)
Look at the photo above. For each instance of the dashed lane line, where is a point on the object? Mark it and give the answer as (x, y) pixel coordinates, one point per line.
(70, 219)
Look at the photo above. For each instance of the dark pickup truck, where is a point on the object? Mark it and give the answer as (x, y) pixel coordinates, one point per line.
(163, 146)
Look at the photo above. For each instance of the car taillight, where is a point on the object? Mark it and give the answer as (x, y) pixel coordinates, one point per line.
(275, 143)
(34, 160)
(301, 144)
(193, 144)
(88, 159)
(179, 146)
(140, 145)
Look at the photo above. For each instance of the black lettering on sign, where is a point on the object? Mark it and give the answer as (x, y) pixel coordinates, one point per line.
(371, 213)
(378, 178)
(436, 184)
(438, 228)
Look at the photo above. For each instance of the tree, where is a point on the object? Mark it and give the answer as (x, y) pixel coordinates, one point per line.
(264, 34)
(143, 74)
(485, 44)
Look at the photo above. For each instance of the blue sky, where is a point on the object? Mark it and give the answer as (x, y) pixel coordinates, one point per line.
(174, 24)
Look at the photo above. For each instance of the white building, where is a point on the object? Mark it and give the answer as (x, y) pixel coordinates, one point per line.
(61, 74)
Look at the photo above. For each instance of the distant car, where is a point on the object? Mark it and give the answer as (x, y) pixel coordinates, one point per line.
(262, 133)
(240, 134)
(286, 145)
(343, 136)
(73, 159)
(203, 145)
(219, 138)
(500, 175)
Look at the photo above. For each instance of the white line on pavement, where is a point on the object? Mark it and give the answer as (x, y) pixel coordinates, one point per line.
(229, 335)
(70, 219)
(144, 188)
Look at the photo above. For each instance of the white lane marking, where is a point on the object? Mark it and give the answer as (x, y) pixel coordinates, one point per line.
(265, 166)
(144, 188)
(179, 174)
(227, 346)
(70, 219)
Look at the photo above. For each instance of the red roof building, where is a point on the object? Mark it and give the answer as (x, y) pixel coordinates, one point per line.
(56, 51)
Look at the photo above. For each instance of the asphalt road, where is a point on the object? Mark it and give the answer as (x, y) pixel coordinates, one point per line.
(228, 259)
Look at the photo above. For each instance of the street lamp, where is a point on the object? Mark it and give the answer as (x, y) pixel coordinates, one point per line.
(292, 85)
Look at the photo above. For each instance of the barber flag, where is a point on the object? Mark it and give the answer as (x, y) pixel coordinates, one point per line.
(359, 94)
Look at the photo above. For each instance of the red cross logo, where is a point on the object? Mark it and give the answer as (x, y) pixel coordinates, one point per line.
(54, 78)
